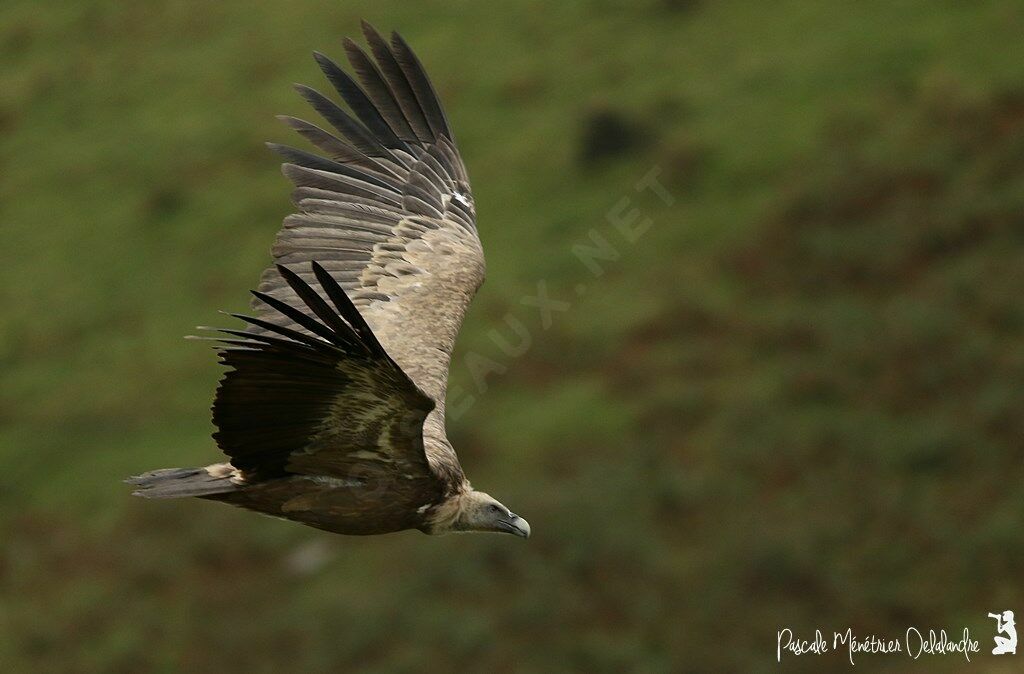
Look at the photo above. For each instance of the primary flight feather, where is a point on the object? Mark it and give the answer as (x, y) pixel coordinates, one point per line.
(332, 408)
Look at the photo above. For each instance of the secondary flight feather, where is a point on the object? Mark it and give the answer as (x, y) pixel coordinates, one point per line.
(331, 411)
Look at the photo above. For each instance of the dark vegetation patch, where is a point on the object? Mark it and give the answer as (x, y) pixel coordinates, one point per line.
(899, 234)
(607, 133)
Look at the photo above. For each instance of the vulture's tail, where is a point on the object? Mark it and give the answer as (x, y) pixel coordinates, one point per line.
(219, 478)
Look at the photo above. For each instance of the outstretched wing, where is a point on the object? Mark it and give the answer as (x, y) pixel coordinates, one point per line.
(387, 212)
(324, 401)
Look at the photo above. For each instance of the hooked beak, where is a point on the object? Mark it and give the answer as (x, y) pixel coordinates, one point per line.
(517, 525)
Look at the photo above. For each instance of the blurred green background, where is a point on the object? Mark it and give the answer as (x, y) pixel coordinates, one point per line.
(795, 401)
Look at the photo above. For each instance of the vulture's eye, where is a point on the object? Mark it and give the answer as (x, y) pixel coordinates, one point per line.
(494, 508)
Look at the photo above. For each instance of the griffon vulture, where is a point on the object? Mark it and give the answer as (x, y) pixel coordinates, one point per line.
(331, 411)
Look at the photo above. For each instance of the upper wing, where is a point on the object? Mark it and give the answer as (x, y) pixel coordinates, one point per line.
(327, 401)
(388, 212)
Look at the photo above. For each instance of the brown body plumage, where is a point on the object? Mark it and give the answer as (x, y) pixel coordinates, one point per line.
(332, 409)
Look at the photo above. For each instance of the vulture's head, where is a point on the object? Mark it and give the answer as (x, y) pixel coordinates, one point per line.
(482, 512)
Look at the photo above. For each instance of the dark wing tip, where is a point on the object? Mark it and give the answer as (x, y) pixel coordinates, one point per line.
(288, 275)
(368, 29)
(346, 309)
(305, 91)
(325, 62)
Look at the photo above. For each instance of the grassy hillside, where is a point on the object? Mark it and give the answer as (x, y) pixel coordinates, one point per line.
(793, 400)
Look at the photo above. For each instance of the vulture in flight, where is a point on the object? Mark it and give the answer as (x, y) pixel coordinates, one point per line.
(331, 412)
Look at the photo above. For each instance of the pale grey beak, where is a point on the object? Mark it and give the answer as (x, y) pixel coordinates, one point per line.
(518, 526)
